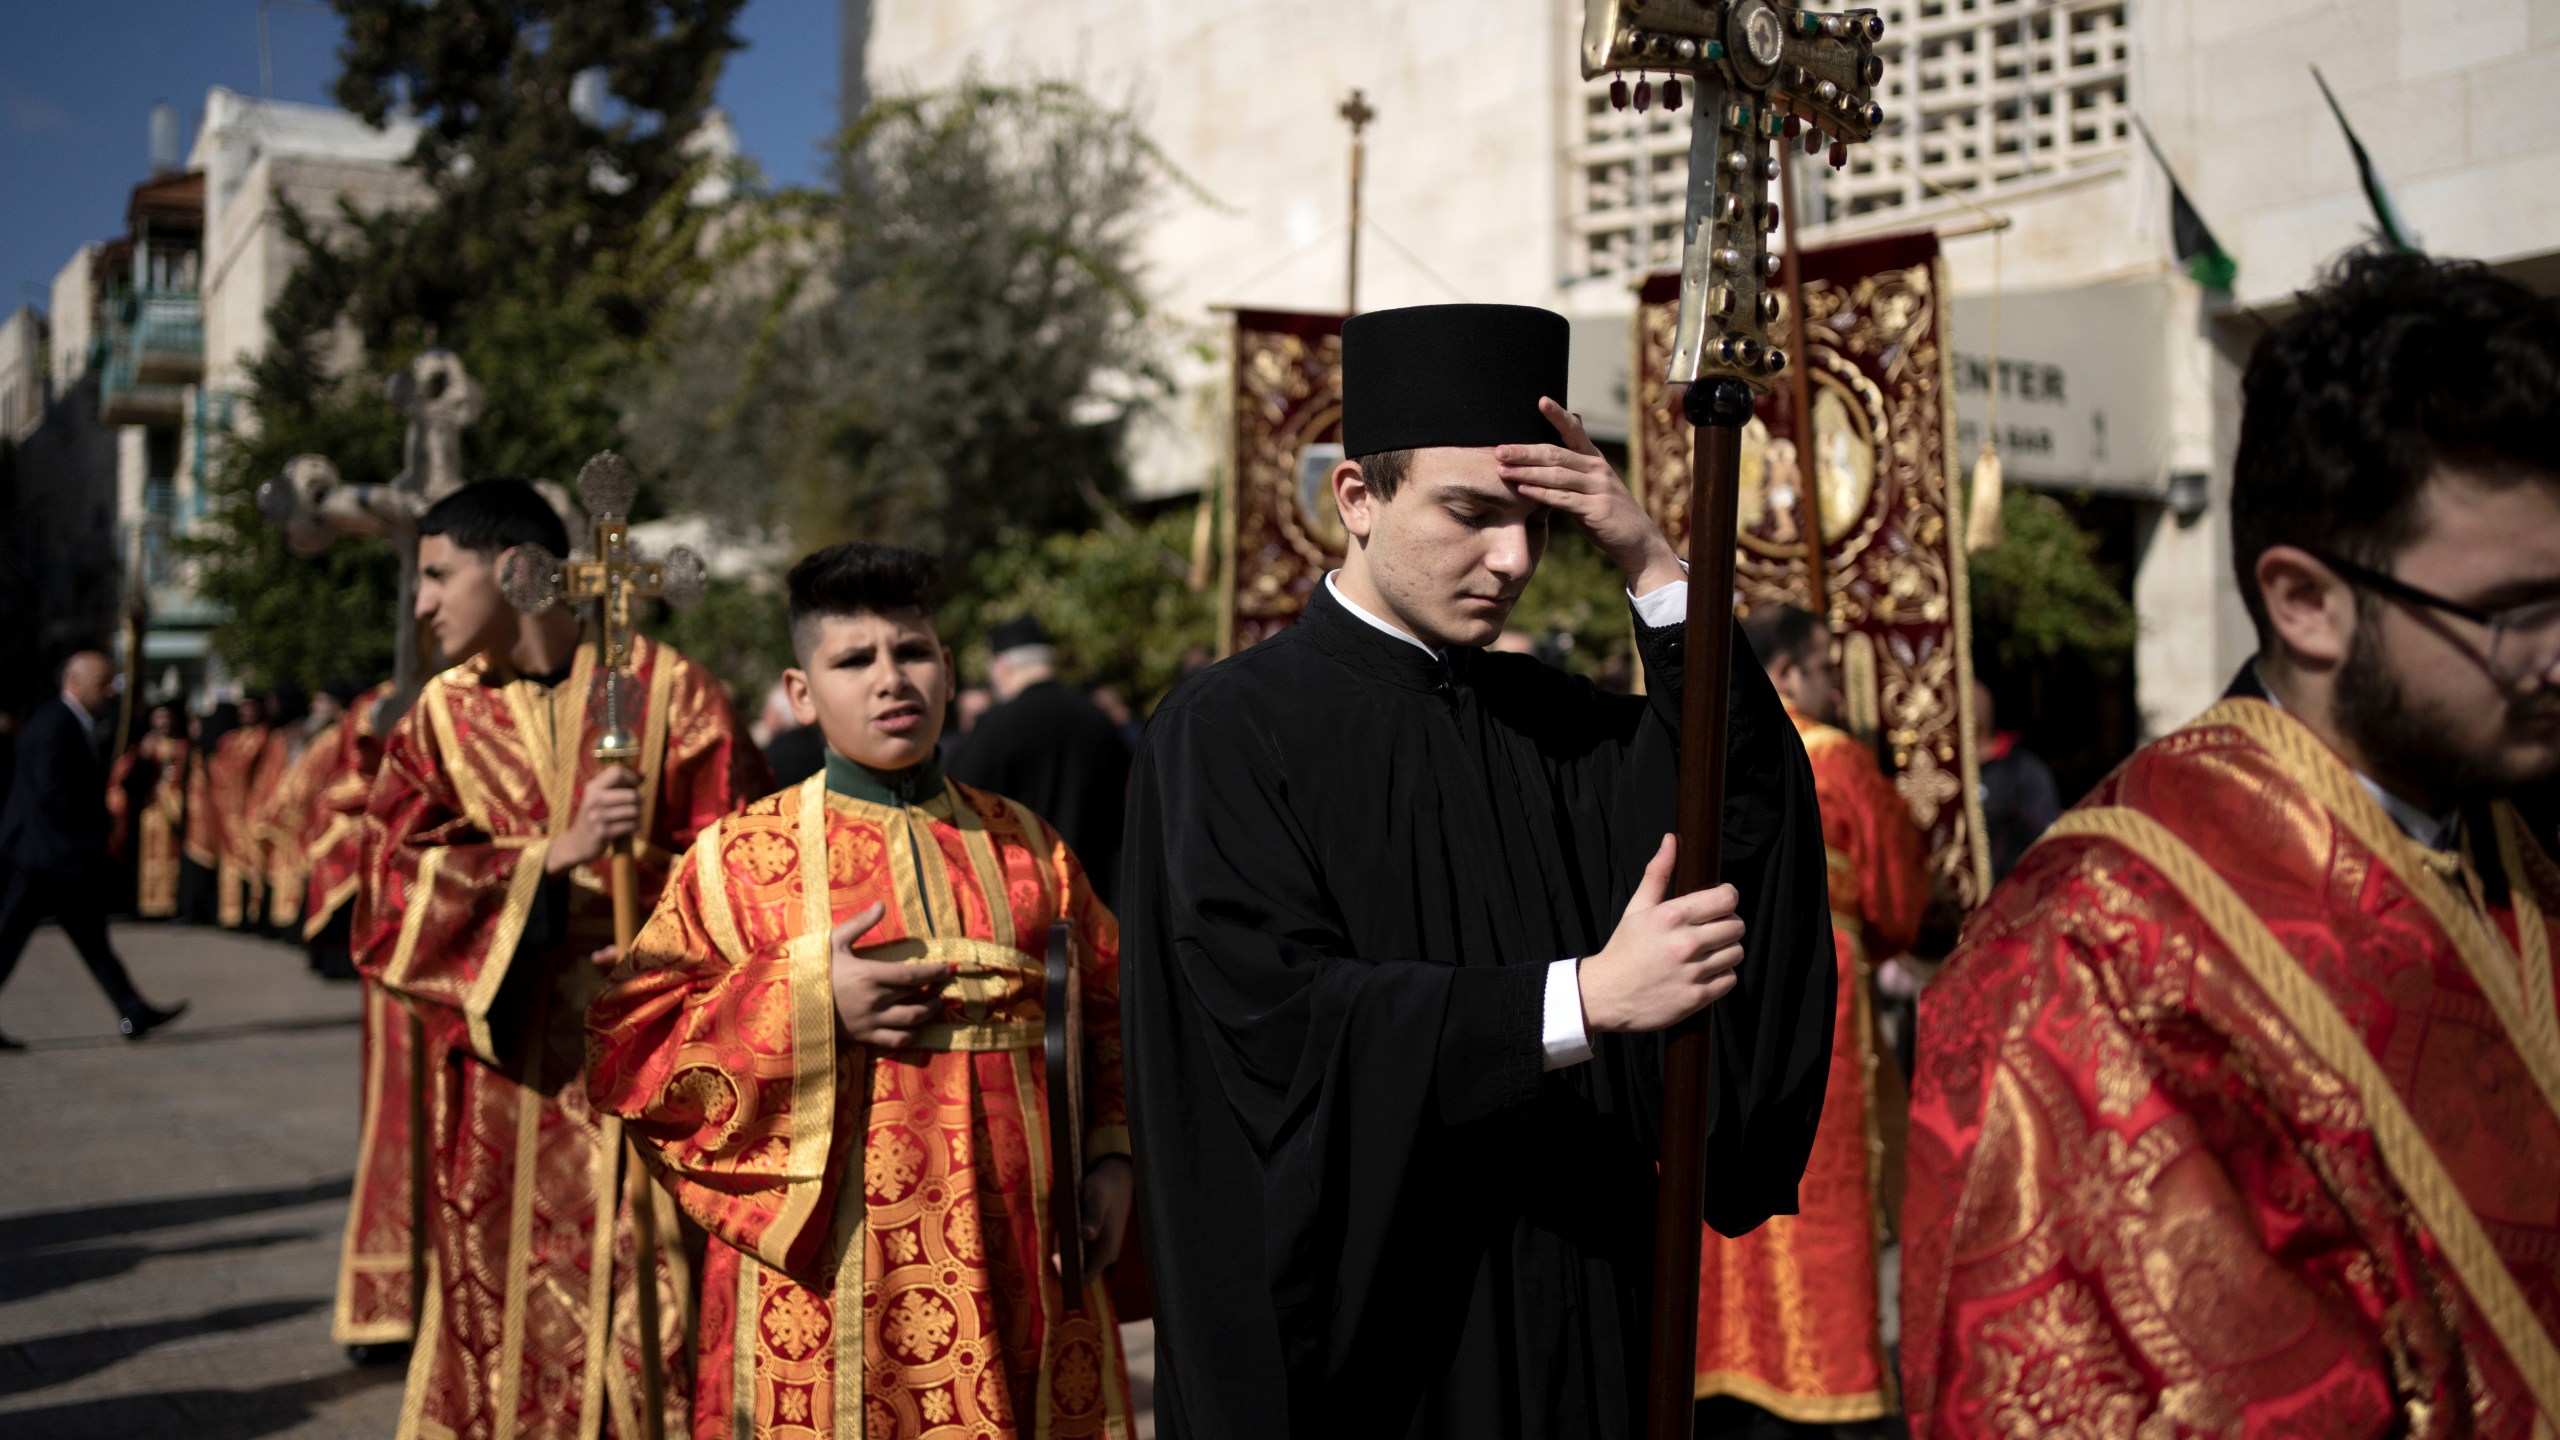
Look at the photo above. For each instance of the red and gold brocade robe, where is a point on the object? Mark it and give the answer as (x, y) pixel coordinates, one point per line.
(1789, 1316)
(289, 816)
(2236, 1116)
(381, 1253)
(881, 1260)
(531, 1325)
(221, 798)
(333, 855)
(154, 835)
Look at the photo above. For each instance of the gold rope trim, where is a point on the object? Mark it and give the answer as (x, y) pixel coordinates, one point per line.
(1803, 1409)
(2494, 967)
(2413, 1162)
(343, 1328)
(742, 1351)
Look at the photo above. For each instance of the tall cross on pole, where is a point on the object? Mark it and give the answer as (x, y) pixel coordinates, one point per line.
(1767, 75)
(1356, 112)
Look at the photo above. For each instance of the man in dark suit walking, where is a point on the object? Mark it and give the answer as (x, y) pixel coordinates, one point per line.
(53, 839)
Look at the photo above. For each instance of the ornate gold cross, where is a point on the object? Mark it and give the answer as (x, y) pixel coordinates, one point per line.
(1767, 75)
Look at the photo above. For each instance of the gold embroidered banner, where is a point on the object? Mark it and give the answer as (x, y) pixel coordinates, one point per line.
(1893, 559)
(1282, 532)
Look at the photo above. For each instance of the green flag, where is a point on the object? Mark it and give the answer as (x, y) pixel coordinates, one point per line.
(2386, 220)
(2197, 250)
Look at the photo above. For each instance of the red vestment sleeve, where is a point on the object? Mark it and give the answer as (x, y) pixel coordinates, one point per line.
(447, 901)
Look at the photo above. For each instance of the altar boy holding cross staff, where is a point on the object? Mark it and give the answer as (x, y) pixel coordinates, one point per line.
(487, 910)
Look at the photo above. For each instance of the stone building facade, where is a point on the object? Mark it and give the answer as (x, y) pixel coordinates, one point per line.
(1496, 173)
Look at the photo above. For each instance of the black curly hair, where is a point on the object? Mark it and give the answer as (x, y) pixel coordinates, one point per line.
(859, 576)
(2397, 364)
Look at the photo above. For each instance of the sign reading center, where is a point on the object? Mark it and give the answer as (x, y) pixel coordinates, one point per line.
(2079, 387)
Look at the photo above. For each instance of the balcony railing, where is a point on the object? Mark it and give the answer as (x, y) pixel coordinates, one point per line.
(153, 347)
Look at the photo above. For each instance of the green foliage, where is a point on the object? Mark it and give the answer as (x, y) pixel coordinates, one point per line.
(945, 346)
(1116, 598)
(739, 632)
(2041, 593)
(554, 235)
(1580, 597)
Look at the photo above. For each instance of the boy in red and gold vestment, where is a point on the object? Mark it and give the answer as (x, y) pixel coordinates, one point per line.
(487, 910)
(2238, 1110)
(829, 1037)
(222, 790)
(1790, 1316)
(378, 1255)
(147, 801)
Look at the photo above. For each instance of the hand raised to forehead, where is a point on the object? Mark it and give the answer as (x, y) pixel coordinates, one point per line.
(1577, 480)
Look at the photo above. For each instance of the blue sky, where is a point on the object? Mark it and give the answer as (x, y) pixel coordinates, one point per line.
(77, 82)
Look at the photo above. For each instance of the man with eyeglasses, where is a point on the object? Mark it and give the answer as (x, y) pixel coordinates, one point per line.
(2238, 1111)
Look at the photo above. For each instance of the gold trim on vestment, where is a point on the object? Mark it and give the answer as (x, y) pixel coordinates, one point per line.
(1803, 1409)
(989, 872)
(2435, 1199)
(742, 1349)
(814, 1059)
(528, 1160)
(343, 1329)
(395, 976)
(422, 1355)
(2533, 935)
(2495, 966)
(524, 887)
(604, 1176)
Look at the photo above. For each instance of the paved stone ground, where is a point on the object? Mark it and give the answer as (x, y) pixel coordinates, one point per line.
(170, 1213)
(169, 1225)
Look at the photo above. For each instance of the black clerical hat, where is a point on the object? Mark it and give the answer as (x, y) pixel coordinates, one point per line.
(1451, 375)
(1017, 632)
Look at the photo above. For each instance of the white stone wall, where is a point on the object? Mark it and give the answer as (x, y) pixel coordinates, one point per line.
(1464, 159)
(257, 157)
(1479, 109)
(22, 373)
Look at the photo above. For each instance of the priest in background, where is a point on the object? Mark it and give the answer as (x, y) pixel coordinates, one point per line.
(2238, 1110)
(1398, 948)
(1790, 1316)
(219, 797)
(1049, 746)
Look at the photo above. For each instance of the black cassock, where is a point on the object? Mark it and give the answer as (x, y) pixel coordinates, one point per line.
(1054, 750)
(1369, 1209)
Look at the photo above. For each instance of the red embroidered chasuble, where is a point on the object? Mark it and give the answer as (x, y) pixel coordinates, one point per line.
(2238, 1114)
(333, 848)
(154, 833)
(1789, 1317)
(220, 803)
(289, 816)
(531, 1325)
(380, 1255)
(880, 1266)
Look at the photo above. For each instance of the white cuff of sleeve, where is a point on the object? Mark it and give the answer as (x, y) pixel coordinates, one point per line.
(1665, 607)
(1561, 1029)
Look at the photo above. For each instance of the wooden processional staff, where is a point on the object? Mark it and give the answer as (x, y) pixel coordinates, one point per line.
(614, 577)
(1765, 76)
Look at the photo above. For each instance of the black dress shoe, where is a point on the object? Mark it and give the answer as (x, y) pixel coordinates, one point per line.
(388, 1352)
(8, 1043)
(146, 1017)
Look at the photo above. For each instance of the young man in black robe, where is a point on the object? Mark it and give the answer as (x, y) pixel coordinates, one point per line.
(1396, 953)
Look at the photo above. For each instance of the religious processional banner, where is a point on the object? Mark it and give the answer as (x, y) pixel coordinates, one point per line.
(1881, 387)
(1285, 435)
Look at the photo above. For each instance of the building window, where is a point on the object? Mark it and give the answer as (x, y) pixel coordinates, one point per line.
(1975, 71)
